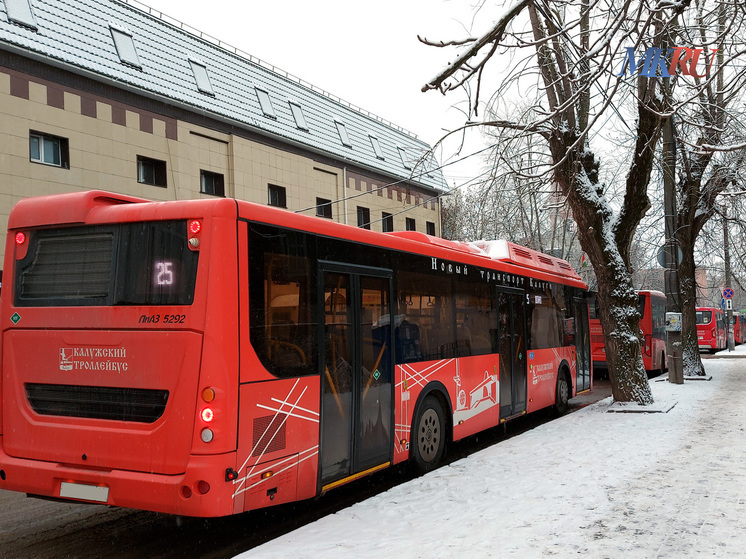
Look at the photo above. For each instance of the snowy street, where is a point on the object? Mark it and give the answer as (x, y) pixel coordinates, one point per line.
(592, 484)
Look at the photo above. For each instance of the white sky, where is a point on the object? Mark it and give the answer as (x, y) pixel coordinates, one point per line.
(590, 484)
(365, 53)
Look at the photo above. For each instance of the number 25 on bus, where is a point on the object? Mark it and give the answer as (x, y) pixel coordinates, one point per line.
(209, 357)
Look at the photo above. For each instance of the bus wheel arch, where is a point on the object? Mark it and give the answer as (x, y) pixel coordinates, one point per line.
(563, 389)
(431, 429)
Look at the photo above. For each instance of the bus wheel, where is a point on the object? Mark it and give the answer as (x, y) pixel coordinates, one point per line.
(428, 438)
(562, 396)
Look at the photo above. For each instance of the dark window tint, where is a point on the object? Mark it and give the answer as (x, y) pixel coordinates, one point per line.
(130, 264)
(430, 226)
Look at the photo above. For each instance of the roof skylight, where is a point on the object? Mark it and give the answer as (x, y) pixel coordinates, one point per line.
(125, 46)
(265, 102)
(343, 134)
(19, 11)
(376, 146)
(201, 77)
(404, 158)
(300, 120)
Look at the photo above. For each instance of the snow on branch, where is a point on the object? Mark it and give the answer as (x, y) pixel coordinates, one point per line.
(493, 36)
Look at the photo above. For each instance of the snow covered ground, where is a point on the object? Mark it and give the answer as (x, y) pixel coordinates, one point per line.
(592, 484)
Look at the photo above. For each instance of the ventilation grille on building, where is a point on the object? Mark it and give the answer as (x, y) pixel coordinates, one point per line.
(70, 267)
(269, 434)
(97, 402)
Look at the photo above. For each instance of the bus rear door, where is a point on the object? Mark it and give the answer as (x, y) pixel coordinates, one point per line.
(511, 308)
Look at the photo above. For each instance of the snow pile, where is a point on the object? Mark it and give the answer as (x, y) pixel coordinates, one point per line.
(596, 484)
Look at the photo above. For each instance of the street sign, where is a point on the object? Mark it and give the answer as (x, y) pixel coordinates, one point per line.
(727, 293)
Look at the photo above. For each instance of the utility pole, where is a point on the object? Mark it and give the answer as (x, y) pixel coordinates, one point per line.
(728, 300)
(671, 251)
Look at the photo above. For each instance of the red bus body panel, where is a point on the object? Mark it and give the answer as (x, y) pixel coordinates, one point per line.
(265, 432)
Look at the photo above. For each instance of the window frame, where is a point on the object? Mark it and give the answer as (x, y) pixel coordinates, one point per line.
(265, 103)
(159, 169)
(124, 44)
(387, 222)
(410, 224)
(344, 137)
(201, 77)
(281, 195)
(298, 116)
(323, 208)
(62, 149)
(363, 217)
(218, 184)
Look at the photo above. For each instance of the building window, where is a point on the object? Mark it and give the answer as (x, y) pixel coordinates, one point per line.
(211, 183)
(410, 224)
(430, 228)
(266, 103)
(300, 120)
(277, 196)
(125, 46)
(19, 11)
(376, 146)
(343, 136)
(49, 150)
(363, 217)
(201, 77)
(324, 208)
(151, 171)
(387, 221)
(405, 158)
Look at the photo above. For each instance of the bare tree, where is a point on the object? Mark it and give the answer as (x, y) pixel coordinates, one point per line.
(571, 47)
(708, 111)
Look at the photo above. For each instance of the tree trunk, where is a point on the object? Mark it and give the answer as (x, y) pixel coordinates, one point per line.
(691, 361)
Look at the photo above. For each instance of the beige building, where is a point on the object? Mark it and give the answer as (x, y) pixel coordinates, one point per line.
(100, 94)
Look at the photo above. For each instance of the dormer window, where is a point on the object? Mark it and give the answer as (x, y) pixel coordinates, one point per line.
(342, 130)
(201, 77)
(265, 102)
(376, 146)
(125, 46)
(300, 120)
(19, 11)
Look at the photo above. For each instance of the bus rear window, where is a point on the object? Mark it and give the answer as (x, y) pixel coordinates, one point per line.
(127, 264)
(704, 317)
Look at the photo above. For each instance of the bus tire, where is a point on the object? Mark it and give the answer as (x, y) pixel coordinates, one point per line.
(562, 394)
(428, 436)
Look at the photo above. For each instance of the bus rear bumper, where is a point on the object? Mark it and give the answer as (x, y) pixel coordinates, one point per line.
(201, 491)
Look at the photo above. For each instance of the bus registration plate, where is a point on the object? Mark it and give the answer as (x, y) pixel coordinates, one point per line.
(84, 492)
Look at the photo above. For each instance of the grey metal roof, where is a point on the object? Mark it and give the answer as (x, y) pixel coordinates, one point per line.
(78, 34)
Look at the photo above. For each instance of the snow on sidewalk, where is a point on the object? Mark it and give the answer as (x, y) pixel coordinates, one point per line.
(592, 484)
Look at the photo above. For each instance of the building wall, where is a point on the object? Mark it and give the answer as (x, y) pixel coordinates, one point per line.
(105, 137)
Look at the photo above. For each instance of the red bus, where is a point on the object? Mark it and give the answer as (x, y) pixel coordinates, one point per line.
(209, 357)
(652, 307)
(739, 328)
(711, 332)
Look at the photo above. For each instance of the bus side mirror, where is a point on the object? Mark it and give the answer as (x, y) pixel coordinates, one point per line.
(673, 322)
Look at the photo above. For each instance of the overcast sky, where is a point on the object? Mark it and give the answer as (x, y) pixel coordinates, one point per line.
(366, 53)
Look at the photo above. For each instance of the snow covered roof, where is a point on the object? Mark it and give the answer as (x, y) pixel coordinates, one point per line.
(126, 44)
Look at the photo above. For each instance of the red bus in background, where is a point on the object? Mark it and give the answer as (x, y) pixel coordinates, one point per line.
(209, 357)
(711, 332)
(739, 327)
(652, 307)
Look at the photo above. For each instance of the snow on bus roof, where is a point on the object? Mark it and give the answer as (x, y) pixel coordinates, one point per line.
(505, 251)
